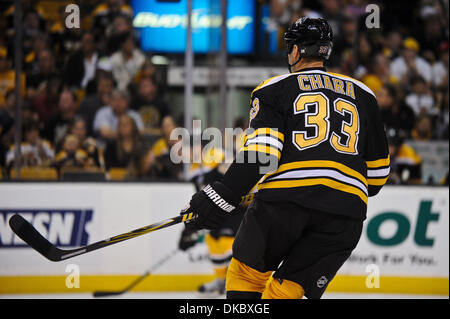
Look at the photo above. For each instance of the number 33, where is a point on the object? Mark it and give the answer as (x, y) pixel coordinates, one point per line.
(320, 121)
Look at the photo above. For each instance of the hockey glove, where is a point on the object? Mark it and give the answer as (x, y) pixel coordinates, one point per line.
(212, 205)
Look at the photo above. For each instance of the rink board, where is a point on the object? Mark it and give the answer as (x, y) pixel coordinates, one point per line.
(403, 249)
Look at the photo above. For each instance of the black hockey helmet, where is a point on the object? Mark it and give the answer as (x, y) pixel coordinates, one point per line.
(313, 36)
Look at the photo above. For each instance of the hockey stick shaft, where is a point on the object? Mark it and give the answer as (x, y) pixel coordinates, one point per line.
(137, 280)
(35, 240)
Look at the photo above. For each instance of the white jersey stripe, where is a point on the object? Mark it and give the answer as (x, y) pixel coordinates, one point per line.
(274, 80)
(267, 140)
(321, 173)
(382, 172)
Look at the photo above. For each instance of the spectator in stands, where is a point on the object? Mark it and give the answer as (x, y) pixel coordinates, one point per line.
(107, 118)
(81, 66)
(126, 62)
(104, 67)
(422, 130)
(364, 56)
(420, 100)
(163, 144)
(45, 101)
(93, 102)
(27, 6)
(332, 11)
(121, 25)
(94, 154)
(57, 126)
(392, 45)
(433, 28)
(32, 26)
(28, 113)
(157, 162)
(395, 114)
(406, 164)
(346, 26)
(7, 76)
(45, 71)
(148, 69)
(104, 14)
(40, 42)
(440, 68)
(71, 154)
(409, 64)
(379, 73)
(126, 150)
(281, 12)
(149, 103)
(35, 151)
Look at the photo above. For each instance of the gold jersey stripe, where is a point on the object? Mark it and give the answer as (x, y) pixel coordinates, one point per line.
(316, 181)
(378, 163)
(377, 181)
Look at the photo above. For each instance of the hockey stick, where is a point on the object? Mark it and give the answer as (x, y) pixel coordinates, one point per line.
(35, 240)
(138, 280)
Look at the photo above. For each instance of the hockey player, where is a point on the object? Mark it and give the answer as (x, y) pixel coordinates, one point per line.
(325, 134)
(219, 240)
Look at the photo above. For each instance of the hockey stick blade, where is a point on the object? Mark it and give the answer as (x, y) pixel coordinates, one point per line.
(35, 240)
(99, 294)
(31, 236)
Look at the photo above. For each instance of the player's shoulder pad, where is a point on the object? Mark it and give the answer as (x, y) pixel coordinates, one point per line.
(271, 81)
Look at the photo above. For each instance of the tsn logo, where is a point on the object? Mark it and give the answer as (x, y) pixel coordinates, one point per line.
(62, 227)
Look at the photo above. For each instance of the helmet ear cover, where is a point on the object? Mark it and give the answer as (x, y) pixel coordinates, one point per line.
(318, 49)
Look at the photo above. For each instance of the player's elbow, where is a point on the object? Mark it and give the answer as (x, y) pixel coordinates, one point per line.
(374, 190)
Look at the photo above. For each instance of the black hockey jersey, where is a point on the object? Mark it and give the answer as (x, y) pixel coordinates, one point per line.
(327, 133)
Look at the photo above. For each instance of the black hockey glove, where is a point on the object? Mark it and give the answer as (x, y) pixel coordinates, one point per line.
(212, 205)
(188, 239)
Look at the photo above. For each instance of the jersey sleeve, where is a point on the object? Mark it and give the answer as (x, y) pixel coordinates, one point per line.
(377, 150)
(265, 136)
(265, 132)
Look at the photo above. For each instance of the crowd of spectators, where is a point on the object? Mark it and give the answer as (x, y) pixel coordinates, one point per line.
(90, 95)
